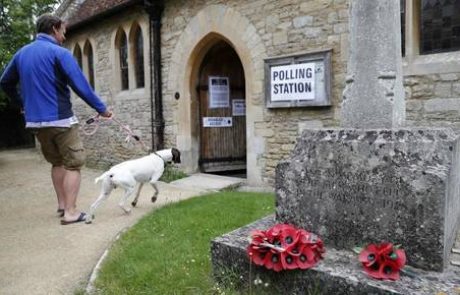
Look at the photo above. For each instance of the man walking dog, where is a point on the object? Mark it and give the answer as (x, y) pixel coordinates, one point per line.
(44, 70)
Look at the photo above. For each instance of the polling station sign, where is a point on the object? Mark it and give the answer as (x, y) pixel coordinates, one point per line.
(293, 82)
(302, 80)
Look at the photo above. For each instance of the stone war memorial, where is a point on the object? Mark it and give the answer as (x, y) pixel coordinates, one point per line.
(370, 181)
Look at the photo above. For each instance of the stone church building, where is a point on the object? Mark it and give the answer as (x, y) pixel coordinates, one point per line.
(233, 83)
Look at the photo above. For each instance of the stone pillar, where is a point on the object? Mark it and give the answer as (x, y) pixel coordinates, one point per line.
(374, 93)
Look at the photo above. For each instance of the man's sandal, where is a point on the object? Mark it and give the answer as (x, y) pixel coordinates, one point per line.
(80, 218)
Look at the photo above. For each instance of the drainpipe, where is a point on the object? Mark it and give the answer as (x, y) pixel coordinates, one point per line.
(154, 8)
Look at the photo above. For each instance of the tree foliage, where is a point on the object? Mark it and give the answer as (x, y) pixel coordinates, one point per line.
(17, 28)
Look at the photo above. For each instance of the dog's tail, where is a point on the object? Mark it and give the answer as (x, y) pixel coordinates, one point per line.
(104, 175)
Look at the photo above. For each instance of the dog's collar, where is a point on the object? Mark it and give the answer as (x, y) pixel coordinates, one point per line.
(164, 162)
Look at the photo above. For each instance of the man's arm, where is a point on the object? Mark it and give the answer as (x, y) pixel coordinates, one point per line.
(79, 84)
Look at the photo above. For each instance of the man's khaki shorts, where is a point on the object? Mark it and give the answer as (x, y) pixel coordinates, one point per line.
(62, 146)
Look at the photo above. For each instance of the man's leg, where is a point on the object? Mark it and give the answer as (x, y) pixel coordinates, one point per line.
(57, 175)
(71, 187)
(46, 137)
(63, 148)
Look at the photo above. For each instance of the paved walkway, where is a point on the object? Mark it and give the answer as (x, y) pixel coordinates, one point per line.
(40, 256)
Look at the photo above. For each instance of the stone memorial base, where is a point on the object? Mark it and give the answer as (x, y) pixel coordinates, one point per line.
(339, 273)
(358, 186)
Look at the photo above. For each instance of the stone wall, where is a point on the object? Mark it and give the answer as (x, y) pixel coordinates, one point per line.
(433, 100)
(284, 28)
(131, 107)
(267, 29)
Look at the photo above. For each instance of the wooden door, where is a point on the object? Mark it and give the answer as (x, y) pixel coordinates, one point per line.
(222, 147)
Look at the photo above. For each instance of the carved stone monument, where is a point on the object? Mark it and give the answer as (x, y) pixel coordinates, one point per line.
(356, 186)
(370, 181)
(362, 185)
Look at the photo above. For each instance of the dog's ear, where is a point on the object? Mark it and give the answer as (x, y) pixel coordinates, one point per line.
(175, 155)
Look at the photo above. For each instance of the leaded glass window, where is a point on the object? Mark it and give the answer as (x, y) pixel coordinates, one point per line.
(123, 51)
(139, 50)
(403, 26)
(78, 56)
(90, 56)
(440, 26)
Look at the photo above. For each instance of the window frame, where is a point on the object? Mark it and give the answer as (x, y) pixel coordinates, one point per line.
(89, 63)
(437, 50)
(123, 61)
(415, 63)
(77, 53)
(139, 72)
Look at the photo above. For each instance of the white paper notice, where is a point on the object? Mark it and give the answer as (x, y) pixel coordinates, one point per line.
(238, 107)
(219, 92)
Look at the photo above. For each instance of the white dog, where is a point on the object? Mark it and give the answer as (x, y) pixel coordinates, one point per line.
(127, 174)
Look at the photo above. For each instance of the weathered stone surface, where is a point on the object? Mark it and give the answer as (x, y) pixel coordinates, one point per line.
(354, 187)
(374, 96)
(339, 273)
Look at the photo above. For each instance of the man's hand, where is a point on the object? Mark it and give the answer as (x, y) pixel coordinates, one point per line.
(106, 114)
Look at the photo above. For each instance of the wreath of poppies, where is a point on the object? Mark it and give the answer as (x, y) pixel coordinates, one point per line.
(383, 261)
(285, 247)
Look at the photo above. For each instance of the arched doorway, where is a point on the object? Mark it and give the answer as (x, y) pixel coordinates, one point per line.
(222, 110)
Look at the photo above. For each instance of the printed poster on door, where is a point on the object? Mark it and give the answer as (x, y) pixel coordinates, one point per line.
(238, 107)
(219, 92)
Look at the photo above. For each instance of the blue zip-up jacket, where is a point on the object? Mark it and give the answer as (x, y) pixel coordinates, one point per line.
(44, 70)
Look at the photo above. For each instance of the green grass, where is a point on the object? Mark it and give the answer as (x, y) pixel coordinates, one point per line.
(168, 251)
(171, 173)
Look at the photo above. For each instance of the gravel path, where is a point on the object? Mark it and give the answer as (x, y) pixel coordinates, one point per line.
(37, 254)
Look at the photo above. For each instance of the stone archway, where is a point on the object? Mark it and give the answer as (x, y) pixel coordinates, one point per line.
(213, 23)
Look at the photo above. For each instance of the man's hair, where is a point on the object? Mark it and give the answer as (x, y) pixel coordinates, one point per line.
(47, 22)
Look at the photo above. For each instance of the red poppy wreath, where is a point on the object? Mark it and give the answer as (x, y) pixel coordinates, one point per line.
(383, 261)
(285, 247)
